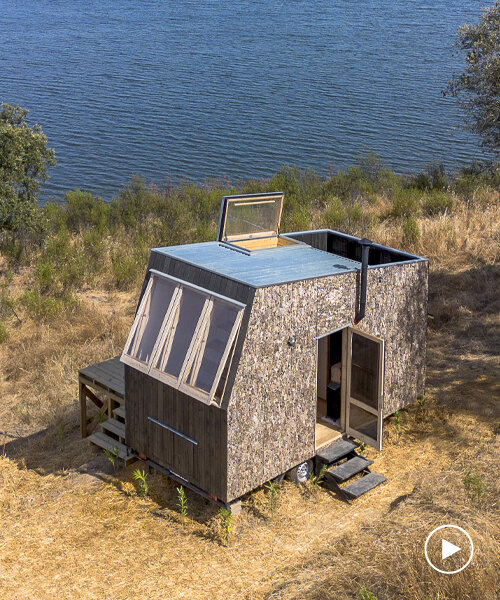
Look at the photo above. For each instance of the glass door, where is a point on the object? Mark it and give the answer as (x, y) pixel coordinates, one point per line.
(364, 387)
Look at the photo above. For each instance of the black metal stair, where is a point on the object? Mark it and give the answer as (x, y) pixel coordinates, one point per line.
(348, 469)
(336, 451)
(363, 485)
(343, 463)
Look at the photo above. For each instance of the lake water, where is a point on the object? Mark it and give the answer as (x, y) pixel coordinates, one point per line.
(184, 89)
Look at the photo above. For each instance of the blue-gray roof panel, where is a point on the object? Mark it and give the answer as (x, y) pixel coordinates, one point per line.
(263, 267)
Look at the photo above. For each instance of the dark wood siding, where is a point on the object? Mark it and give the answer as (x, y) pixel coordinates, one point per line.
(204, 464)
(349, 247)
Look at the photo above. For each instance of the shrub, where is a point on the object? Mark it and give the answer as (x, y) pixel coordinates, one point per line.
(55, 216)
(84, 211)
(48, 307)
(62, 265)
(365, 594)
(182, 501)
(434, 177)
(141, 478)
(11, 247)
(345, 216)
(41, 307)
(134, 203)
(302, 188)
(7, 302)
(363, 181)
(221, 527)
(411, 233)
(436, 202)
(349, 185)
(474, 485)
(124, 269)
(44, 275)
(94, 250)
(405, 203)
(274, 491)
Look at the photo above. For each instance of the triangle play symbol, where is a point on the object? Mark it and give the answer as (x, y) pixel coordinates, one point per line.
(448, 549)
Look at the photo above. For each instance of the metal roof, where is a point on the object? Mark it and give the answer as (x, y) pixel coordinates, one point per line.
(261, 268)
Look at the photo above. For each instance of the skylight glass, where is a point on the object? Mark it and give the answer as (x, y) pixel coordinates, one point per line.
(251, 216)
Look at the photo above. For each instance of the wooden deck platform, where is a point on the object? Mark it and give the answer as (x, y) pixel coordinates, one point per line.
(104, 384)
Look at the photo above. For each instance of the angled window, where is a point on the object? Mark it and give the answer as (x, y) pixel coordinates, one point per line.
(177, 339)
(209, 355)
(156, 302)
(184, 336)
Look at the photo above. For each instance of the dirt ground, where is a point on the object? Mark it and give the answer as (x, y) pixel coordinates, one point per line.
(74, 527)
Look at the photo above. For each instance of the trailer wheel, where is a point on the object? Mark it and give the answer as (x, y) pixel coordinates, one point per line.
(300, 473)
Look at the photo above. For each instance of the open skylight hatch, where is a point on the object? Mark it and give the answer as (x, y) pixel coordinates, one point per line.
(252, 221)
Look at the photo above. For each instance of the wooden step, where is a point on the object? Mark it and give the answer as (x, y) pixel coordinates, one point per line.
(114, 426)
(120, 411)
(108, 443)
(336, 451)
(363, 485)
(351, 467)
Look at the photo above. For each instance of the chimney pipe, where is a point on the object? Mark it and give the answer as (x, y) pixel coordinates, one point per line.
(365, 253)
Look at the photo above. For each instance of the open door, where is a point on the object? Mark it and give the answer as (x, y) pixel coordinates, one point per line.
(364, 387)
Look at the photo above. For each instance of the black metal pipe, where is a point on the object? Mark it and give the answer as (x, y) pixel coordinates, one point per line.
(365, 255)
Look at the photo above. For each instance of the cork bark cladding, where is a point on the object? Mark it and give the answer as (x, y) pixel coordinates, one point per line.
(272, 409)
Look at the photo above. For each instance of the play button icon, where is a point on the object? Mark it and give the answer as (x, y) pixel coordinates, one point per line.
(439, 549)
(448, 549)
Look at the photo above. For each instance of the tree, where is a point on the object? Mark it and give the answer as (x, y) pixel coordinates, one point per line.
(24, 162)
(478, 86)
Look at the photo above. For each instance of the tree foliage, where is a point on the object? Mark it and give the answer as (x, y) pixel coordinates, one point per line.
(478, 86)
(24, 162)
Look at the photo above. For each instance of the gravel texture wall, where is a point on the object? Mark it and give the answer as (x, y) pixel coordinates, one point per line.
(272, 409)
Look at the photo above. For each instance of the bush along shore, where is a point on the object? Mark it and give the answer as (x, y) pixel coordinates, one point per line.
(86, 243)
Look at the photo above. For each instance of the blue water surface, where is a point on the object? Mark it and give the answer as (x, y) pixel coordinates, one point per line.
(191, 89)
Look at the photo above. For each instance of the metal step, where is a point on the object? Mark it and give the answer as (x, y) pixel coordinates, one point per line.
(351, 467)
(336, 451)
(363, 485)
(120, 411)
(114, 426)
(108, 443)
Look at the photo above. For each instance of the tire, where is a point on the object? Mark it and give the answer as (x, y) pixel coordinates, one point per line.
(300, 473)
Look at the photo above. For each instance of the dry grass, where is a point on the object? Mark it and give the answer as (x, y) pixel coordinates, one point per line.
(74, 528)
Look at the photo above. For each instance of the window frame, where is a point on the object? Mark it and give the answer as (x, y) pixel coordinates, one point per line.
(146, 298)
(199, 333)
(249, 199)
(167, 327)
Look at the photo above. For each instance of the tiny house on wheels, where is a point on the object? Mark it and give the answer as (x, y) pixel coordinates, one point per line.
(260, 354)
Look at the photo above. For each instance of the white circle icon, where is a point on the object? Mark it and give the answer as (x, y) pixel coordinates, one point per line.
(449, 549)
